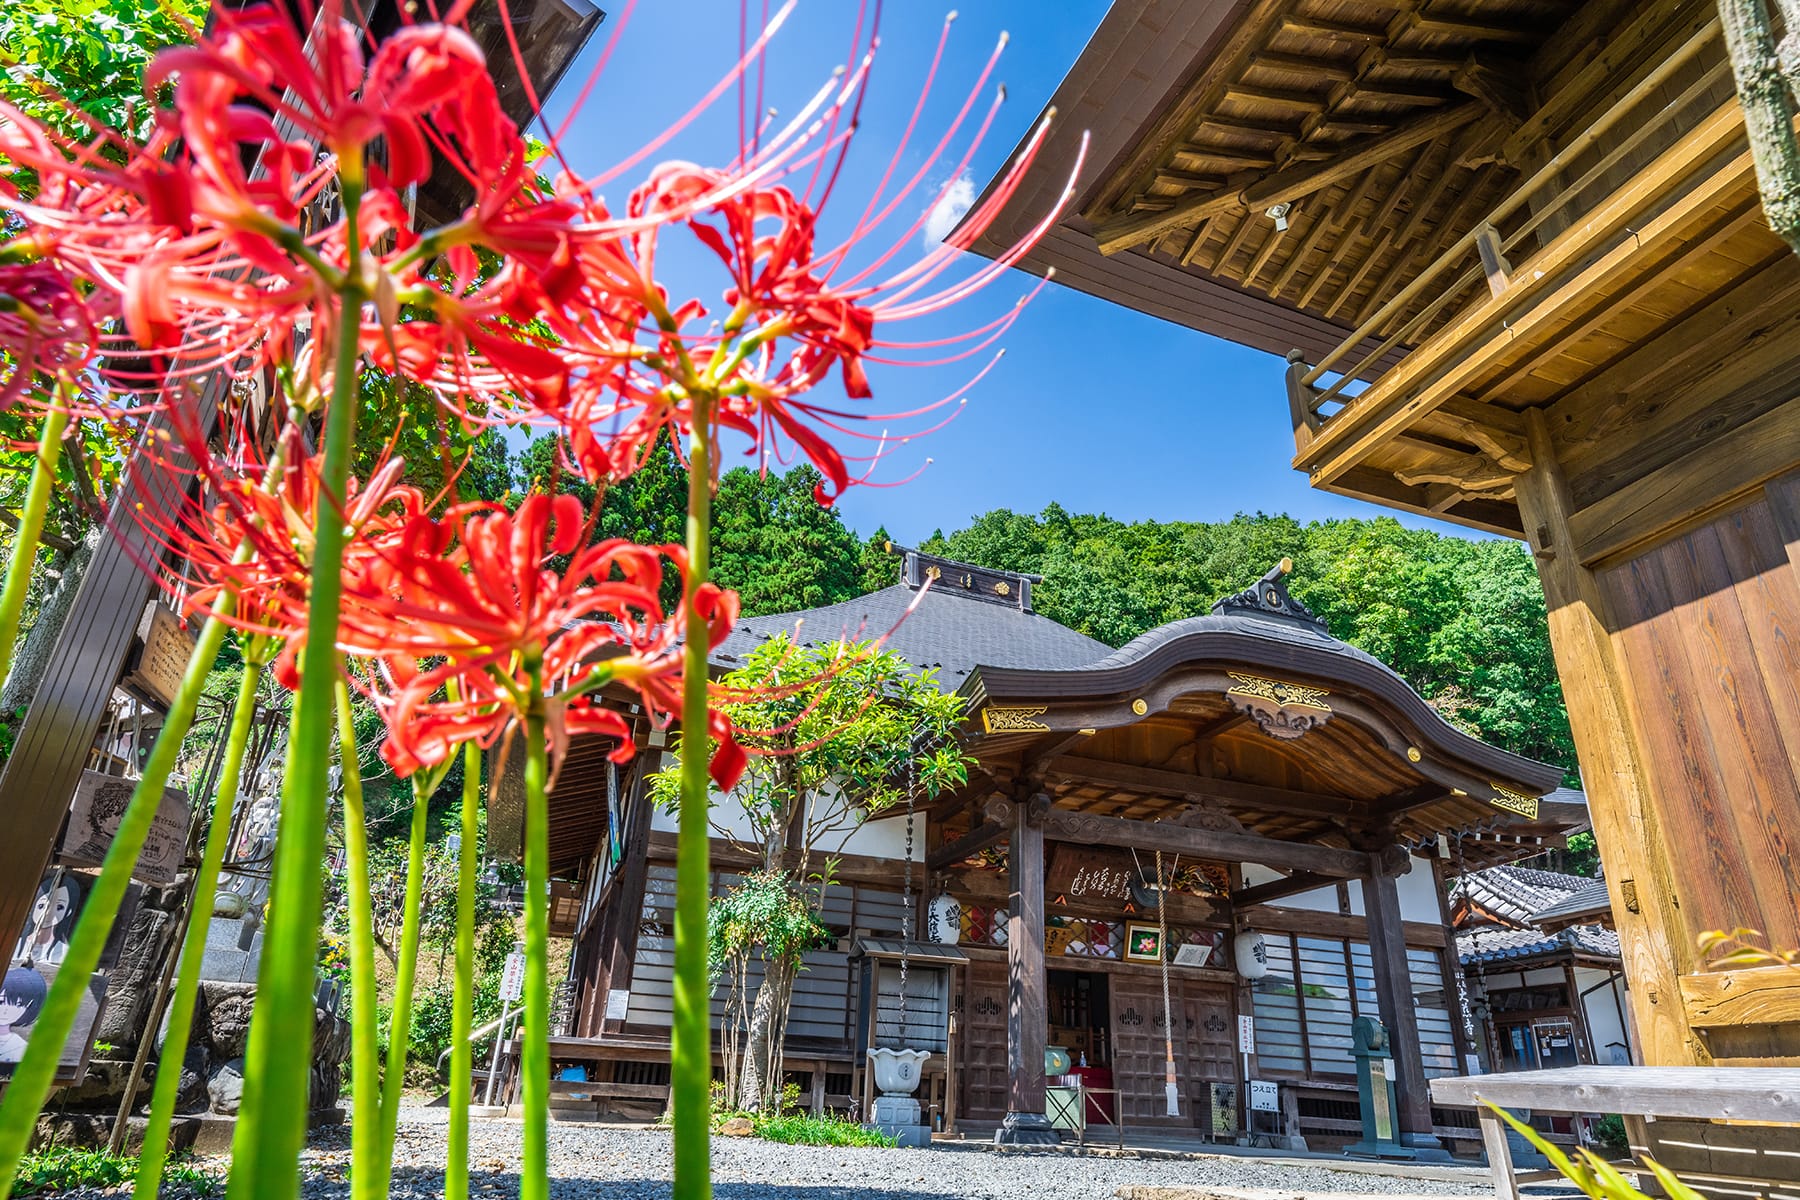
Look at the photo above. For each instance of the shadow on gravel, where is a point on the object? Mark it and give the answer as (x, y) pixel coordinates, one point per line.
(411, 1184)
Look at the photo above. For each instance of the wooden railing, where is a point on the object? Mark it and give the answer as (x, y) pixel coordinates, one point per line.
(1481, 251)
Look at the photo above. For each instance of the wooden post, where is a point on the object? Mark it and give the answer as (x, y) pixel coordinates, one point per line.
(620, 944)
(1027, 1016)
(1394, 995)
(1612, 765)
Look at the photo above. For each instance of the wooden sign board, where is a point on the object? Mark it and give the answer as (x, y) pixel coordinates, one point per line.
(22, 994)
(1100, 876)
(163, 656)
(100, 801)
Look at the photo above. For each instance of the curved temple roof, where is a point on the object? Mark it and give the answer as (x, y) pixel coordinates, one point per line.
(1264, 628)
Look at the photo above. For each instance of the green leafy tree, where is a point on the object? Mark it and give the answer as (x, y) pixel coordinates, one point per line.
(844, 734)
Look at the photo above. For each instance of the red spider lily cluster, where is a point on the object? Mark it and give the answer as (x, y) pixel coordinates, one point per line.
(230, 240)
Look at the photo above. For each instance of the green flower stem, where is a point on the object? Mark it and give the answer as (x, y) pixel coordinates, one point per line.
(25, 538)
(366, 1150)
(36, 1072)
(271, 1129)
(400, 1025)
(193, 946)
(534, 1064)
(691, 1028)
(462, 999)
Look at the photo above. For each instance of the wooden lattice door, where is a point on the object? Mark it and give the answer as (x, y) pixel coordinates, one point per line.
(982, 1053)
(1204, 1049)
(1137, 1041)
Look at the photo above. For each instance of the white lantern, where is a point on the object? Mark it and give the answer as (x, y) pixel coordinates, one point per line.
(1251, 954)
(943, 919)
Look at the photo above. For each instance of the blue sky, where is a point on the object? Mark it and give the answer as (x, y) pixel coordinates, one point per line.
(1095, 407)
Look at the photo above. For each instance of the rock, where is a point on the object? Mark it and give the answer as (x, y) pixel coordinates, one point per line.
(738, 1127)
(191, 1095)
(225, 1086)
(225, 1017)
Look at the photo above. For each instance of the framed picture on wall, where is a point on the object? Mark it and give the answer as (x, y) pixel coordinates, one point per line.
(1143, 943)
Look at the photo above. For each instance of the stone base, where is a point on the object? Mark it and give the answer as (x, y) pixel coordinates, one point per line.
(907, 1135)
(1427, 1149)
(894, 1110)
(1381, 1150)
(1026, 1129)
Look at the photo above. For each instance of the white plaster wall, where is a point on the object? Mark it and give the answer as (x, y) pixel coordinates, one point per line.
(884, 838)
(1602, 1007)
(1417, 889)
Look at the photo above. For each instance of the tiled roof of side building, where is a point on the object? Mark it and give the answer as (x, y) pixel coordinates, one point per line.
(969, 616)
(1518, 893)
(1491, 945)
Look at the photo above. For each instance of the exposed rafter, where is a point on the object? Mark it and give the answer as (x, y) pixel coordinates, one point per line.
(1290, 184)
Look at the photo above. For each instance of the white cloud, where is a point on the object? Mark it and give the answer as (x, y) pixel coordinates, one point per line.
(953, 203)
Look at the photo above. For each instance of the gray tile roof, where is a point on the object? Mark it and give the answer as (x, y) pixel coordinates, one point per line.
(1585, 901)
(949, 632)
(1492, 945)
(1517, 893)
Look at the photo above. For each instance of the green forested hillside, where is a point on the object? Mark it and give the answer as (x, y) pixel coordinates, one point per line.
(1463, 620)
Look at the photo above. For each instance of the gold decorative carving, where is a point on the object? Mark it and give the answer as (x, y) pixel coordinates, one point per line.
(1280, 709)
(1013, 720)
(1002, 588)
(1511, 801)
(934, 573)
(1412, 754)
(1139, 707)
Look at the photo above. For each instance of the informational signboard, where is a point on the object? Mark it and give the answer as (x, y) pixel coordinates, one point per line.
(99, 806)
(1265, 1096)
(1224, 1108)
(1246, 1034)
(512, 979)
(164, 658)
(1380, 1099)
(618, 1003)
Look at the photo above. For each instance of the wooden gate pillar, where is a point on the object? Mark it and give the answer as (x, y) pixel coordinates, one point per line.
(1394, 996)
(1612, 765)
(1027, 1015)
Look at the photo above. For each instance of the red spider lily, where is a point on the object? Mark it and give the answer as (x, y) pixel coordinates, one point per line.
(790, 321)
(478, 590)
(256, 539)
(46, 327)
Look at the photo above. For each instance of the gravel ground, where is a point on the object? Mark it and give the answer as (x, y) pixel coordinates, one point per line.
(634, 1164)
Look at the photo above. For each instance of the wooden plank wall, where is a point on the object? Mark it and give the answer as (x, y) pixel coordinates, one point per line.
(1707, 628)
(1708, 623)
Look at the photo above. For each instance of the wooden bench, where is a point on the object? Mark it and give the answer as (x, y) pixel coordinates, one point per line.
(1670, 1114)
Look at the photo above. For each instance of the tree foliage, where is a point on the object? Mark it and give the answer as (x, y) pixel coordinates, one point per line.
(1463, 621)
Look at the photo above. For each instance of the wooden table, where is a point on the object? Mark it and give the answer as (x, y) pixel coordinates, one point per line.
(1764, 1094)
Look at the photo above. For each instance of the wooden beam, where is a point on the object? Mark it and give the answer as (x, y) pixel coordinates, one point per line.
(1158, 781)
(1194, 105)
(1122, 233)
(1061, 825)
(1757, 996)
(972, 842)
(1280, 889)
(1300, 64)
(1479, 31)
(1722, 469)
(1318, 27)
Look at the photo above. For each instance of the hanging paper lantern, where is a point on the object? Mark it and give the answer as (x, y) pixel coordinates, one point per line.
(943, 919)
(1251, 954)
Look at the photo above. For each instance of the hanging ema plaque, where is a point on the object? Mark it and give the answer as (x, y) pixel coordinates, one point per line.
(165, 647)
(100, 801)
